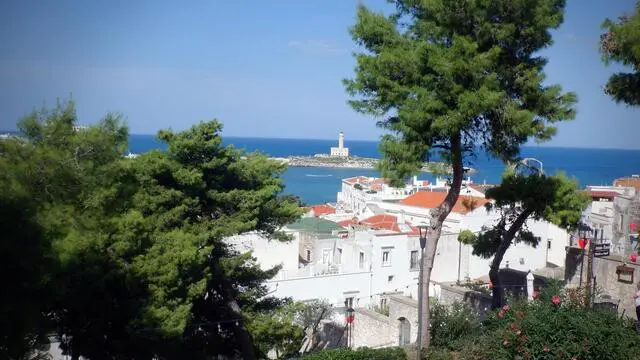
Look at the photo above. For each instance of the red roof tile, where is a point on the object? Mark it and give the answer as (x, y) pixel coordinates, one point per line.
(345, 223)
(633, 182)
(603, 194)
(432, 199)
(387, 222)
(356, 179)
(319, 210)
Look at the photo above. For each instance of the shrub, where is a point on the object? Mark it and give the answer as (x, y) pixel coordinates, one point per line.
(434, 353)
(381, 309)
(451, 326)
(394, 353)
(555, 326)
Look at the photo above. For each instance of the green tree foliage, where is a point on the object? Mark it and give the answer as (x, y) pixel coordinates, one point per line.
(44, 177)
(621, 44)
(279, 331)
(449, 76)
(520, 198)
(170, 231)
(127, 257)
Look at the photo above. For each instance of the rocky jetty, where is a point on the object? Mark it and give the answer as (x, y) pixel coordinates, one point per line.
(355, 163)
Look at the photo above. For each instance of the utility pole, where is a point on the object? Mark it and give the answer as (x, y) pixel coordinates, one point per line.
(423, 230)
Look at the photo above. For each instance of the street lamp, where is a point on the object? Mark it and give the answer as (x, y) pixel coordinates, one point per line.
(423, 230)
(583, 241)
(349, 317)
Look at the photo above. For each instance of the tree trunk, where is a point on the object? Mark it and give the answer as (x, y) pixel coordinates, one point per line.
(228, 293)
(438, 216)
(497, 291)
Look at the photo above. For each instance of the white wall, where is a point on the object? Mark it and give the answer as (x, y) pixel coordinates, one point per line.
(395, 276)
(551, 247)
(450, 256)
(270, 253)
(334, 288)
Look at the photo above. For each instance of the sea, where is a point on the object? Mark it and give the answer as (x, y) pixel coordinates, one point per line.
(320, 185)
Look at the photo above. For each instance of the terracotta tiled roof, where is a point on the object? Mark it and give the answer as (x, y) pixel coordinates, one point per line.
(633, 182)
(603, 194)
(319, 210)
(387, 222)
(348, 222)
(375, 182)
(431, 200)
(356, 179)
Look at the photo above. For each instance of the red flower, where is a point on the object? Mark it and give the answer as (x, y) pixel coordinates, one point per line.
(535, 294)
(555, 299)
(501, 314)
(546, 349)
(505, 308)
(505, 342)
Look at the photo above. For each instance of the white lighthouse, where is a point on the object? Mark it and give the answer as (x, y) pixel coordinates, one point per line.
(340, 151)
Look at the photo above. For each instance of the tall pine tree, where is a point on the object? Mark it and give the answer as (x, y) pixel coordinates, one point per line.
(452, 75)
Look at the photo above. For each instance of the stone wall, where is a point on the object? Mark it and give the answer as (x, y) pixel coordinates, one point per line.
(372, 329)
(609, 288)
(479, 302)
(407, 308)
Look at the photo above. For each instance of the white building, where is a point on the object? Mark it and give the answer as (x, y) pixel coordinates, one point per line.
(357, 192)
(361, 260)
(340, 151)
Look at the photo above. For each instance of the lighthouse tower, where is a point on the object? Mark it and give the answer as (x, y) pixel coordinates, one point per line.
(340, 151)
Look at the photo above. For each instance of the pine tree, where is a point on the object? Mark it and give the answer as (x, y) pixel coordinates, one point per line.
(520, 198)
(452, 75)
(621, 44)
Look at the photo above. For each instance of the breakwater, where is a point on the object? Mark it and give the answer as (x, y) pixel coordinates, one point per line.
(356, 163)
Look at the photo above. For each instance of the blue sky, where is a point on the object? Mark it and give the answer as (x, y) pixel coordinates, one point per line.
(264, 68)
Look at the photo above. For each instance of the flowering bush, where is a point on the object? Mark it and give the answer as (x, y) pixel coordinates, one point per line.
(555, 326)
(452, 326)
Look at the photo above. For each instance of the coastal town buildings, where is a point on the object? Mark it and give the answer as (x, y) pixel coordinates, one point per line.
(361, 256)
(340, 150)
(358, 191)
(615, 214)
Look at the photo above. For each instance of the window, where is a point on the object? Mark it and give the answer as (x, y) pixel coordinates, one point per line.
(361, 260)
(308, 255)
(386, 258)
(390, 278)
(549, 244)
(339, 257)
(326, 253)
(414, 261)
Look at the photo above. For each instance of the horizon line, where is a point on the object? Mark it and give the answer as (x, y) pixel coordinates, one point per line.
(377, 140)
